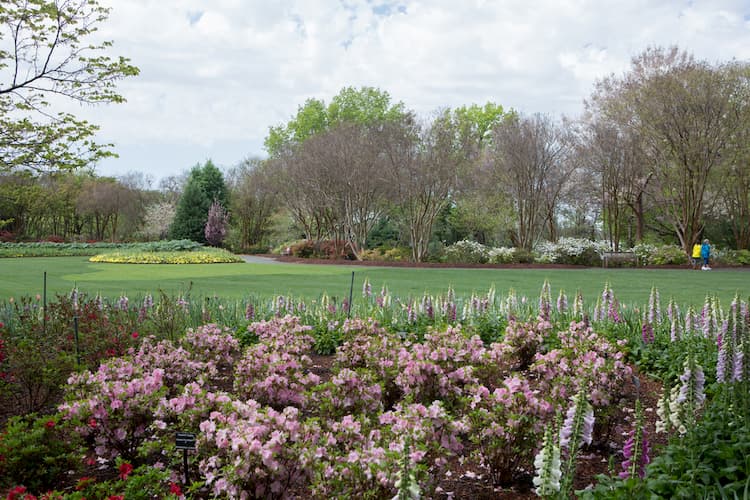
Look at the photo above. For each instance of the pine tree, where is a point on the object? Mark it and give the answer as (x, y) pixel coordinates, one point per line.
(205, 184)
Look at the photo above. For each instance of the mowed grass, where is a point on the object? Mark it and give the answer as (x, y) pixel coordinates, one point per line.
(24, 276)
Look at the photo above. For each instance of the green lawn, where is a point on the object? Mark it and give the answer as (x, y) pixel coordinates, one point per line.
(631, 286)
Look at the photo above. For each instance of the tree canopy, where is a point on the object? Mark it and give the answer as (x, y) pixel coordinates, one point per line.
(45, 55)
(364, 106)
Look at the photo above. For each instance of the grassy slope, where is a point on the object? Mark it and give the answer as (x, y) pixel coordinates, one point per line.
(24, 277)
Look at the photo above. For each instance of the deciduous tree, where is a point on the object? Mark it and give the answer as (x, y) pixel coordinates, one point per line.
(46, 54)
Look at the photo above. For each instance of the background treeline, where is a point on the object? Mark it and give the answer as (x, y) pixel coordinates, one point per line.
(659, 155)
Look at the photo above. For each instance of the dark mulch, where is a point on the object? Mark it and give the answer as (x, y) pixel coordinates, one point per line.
(468, 479)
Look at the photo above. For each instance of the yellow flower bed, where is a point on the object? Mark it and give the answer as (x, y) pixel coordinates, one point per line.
(215, 256)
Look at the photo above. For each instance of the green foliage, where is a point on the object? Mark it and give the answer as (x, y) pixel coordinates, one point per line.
(32, 134)
(37, 452)
(205, 184)
(711, 461)
(734, 257)
(49, 249)
(387, 254)
(143, 483)
(191, 214)
(366, 105)
(39, 357)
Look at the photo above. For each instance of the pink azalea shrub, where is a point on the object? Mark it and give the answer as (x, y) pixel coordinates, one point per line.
(251, 451)
(440, 368)
(212, 343)
(378, 354)
(178, 364)
(353, 460)
(584, 358)
(113, 407)
(429, 434)
(506, 426)
(284, 334)
(347, 392)
(275, 371)
(274, 378)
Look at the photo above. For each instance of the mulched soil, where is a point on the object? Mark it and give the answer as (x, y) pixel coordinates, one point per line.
(469, 480)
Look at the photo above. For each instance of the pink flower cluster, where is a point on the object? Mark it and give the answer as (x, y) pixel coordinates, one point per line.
(212, 343)
(275, 371)
(348, 392)
(584, 358)
(249, 448)
(506, 424)
(441, 367)
(114, 406)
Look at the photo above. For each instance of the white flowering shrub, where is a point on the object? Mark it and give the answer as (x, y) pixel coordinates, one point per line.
(653, 255)
(576, 251)
(467, 252)
(501, 255)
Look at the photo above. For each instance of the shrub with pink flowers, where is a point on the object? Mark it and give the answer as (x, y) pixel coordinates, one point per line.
(254, 451)
(584, 358)
(274, 378)
(439, 368)
(113, 407)
(506, 425)
(212, 343)
(347, 392)
(178, 364)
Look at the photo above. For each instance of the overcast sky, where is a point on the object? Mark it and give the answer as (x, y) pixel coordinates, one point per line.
(215, 74)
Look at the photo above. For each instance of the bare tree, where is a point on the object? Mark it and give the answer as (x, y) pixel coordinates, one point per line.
(614, 161)
(254, 200)
(529, 162)
(682, 110)
(344, 167)
(425, 165)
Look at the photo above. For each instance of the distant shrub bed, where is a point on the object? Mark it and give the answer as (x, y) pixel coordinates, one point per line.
(53, 249)
(205, 256)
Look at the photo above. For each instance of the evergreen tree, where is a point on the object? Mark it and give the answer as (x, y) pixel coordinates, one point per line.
(192, 212)
(205, 185)
(212, 183)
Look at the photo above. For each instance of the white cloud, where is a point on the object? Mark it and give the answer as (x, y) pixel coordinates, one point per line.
(220, 72)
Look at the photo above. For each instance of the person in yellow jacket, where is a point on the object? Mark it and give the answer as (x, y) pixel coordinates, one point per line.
(696, 257)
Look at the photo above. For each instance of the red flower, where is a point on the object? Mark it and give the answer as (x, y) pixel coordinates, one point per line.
(134, 335)
(83, 483)
(18, 491)
(174, 489)
(125, 470)
(49, 424)
(1, 324)
(92, 423)
(116, 497)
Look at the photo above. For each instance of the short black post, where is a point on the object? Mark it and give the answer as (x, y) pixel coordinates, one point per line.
(185, 466)
(44, 304)
(351, 291)
(78, 347)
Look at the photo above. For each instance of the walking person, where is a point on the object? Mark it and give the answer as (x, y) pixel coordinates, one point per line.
(695, 258)
(705, 254)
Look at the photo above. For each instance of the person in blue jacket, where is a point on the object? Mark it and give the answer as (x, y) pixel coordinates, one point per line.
(705, 254)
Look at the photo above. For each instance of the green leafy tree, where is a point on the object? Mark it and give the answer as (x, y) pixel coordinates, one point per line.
(204, 186)
(364, 106)
(191, 214)
(45, 54)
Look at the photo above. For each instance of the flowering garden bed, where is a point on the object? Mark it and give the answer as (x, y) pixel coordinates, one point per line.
(497, 407)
